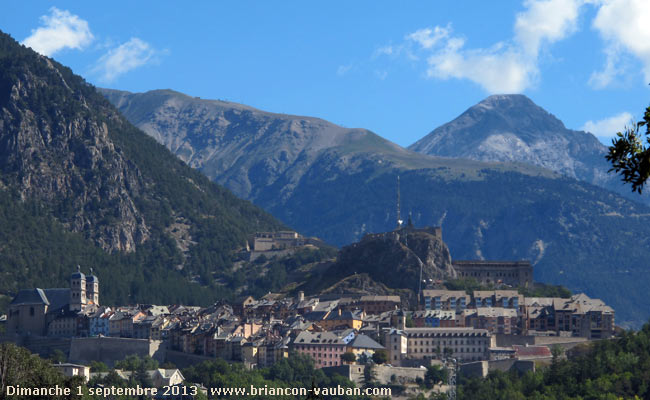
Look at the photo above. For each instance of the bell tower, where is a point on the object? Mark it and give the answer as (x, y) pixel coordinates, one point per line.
(92, 289)
(77, 290)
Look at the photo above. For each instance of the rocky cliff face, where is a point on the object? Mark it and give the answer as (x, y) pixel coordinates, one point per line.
(66, 149)
(511, 128)
(64, 157)
(396, 258)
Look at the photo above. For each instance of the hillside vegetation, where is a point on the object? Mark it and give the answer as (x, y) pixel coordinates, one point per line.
(80, 185)
(609, 370)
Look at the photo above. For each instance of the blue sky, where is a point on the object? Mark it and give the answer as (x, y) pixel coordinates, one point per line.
(399, 69)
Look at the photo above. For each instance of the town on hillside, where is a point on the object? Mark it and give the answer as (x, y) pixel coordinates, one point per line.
(472, 331)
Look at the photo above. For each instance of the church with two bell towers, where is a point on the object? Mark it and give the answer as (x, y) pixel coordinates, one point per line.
(84, 290)
(53, 312)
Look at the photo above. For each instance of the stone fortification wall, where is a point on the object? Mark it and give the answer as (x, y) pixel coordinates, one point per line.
(477, 368)
(508, 365)
(184, 360)
(481, 368)
(42, 345)
(383, 374)
(109, 350)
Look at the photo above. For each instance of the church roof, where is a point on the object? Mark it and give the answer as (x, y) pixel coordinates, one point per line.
(58, 298)
(30, 296)
(54, 298)
(77, 275)
(92, 277)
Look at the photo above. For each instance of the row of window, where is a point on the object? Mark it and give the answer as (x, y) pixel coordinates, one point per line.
(323, 355)
(312, 347)
(431, 350)
(422, 342)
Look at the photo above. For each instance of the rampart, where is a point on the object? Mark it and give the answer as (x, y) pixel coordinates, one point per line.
(183, 360)
(109, 350)
(481, 368)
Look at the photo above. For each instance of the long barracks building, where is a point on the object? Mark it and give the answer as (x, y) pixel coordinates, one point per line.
(514, 273)
(464, 344)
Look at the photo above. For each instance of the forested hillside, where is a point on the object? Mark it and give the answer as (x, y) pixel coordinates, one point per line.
(80, 185)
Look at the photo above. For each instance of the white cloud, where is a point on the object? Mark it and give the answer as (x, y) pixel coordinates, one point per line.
(625, 25)
(126, 57)
(545, 21)
(60, 30)
(506, 67)
(428, 37)
(608, 127)
(613, 68)
(500, 69)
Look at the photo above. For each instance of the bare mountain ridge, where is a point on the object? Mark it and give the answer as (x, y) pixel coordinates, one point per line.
(239, 146)
(512, 128)
(576, 234)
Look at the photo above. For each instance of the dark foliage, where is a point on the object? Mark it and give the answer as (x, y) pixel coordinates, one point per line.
(296, 371)
(612, 369)
(19, 367)
(629, 156)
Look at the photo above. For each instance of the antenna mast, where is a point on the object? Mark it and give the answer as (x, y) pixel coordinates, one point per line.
(399, 218)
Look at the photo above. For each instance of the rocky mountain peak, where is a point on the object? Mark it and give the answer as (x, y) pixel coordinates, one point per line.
(507, 101)
(395, 258)
(512, 113)
(512, 128)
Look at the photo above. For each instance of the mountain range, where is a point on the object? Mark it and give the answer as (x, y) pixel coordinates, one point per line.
(339, 184)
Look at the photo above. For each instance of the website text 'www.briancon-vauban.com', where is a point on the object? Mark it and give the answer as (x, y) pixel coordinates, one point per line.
(298, 391)
(180, 390)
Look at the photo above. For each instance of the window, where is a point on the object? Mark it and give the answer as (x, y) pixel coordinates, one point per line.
(31, 311)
